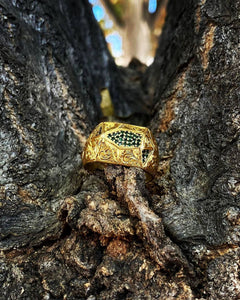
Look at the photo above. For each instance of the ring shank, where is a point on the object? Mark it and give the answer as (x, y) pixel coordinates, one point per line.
(121, 144)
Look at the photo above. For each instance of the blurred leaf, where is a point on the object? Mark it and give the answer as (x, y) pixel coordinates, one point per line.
(106, 103)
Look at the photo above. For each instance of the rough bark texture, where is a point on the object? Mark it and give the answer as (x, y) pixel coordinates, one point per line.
(69, 234)
(195, 79)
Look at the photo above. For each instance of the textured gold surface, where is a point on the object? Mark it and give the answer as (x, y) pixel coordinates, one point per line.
(138, 148)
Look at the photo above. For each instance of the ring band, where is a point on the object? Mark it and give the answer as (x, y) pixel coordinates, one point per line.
(121, 144)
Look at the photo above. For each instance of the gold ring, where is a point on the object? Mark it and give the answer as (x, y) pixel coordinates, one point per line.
(121, 144)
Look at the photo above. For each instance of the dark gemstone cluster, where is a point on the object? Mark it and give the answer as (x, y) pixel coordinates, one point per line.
(145, 153)
(125, 138)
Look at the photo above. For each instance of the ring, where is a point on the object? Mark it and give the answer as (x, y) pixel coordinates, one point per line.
(121, 144)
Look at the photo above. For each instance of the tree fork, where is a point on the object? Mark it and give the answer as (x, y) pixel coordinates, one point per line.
(64, 233)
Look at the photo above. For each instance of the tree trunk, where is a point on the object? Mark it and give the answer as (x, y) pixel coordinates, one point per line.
(137, 34)
(71, 234)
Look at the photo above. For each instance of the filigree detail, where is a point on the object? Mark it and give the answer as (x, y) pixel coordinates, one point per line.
(123, 144)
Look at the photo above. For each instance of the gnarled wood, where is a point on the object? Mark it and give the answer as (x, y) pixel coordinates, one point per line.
(70, 234)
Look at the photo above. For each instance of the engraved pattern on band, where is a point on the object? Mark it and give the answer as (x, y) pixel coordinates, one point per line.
(121, 144)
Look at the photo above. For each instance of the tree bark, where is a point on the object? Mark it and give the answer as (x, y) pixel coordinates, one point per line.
(70, 234)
